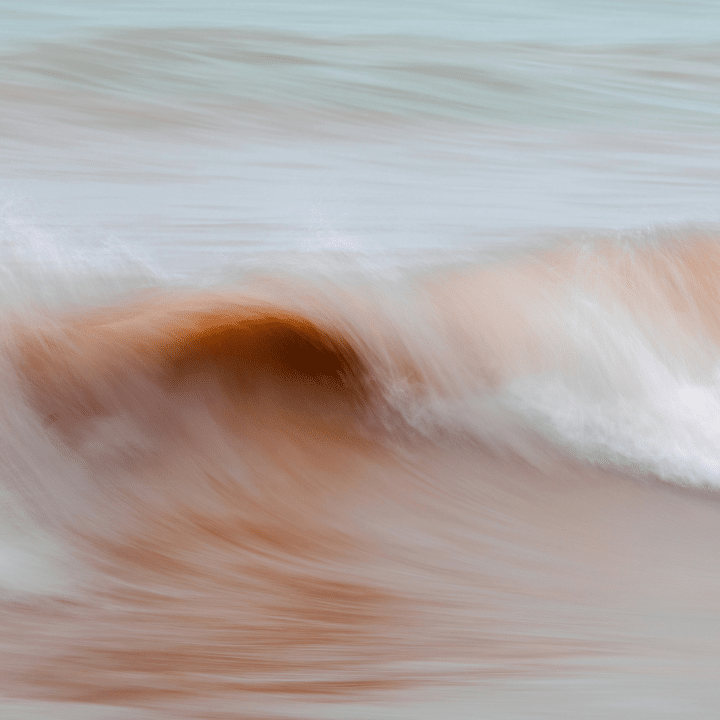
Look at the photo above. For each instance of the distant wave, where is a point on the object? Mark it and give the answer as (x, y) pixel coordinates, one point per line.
(220, 80)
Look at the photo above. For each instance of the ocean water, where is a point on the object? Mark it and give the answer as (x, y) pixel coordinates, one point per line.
(360, 360)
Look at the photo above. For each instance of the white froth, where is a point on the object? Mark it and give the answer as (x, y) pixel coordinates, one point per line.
(629, 398)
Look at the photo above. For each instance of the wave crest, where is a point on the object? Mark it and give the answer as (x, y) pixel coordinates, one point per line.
(91, 364)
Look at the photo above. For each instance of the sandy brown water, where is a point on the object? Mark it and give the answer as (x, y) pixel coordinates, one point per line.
(250, 527)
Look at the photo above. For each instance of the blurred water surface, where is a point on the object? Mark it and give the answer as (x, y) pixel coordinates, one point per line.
(504, 528)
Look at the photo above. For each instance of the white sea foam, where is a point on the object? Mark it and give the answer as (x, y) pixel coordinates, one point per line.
(633, 395)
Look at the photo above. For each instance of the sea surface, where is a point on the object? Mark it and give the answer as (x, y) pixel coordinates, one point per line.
(359, 360)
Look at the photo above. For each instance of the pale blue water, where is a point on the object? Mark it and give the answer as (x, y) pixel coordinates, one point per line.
(372, 126)
(554, 21)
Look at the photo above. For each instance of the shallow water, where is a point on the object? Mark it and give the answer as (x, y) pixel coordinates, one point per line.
(359, 360)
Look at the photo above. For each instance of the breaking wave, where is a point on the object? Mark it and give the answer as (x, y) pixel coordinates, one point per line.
(290, 491)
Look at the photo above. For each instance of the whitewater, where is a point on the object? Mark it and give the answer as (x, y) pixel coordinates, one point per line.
(359, 360)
